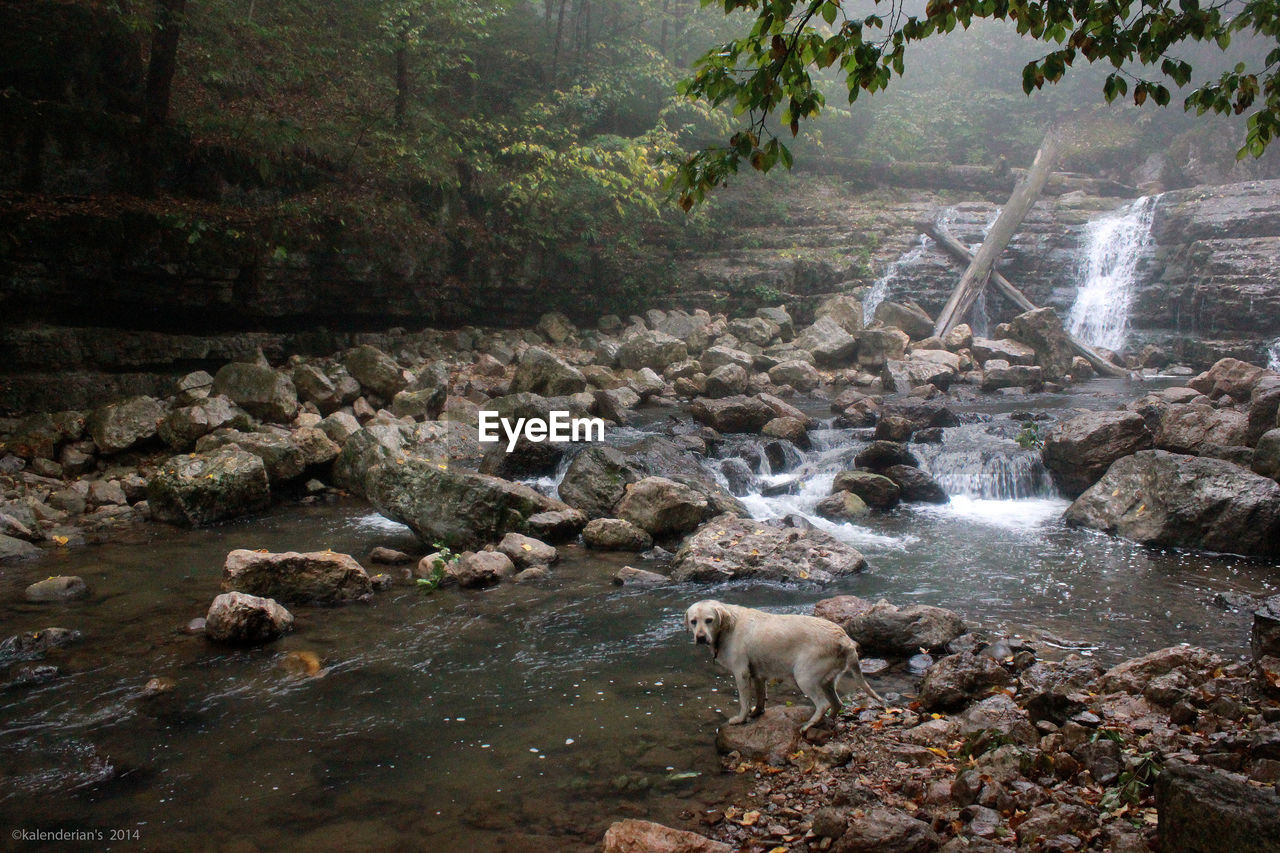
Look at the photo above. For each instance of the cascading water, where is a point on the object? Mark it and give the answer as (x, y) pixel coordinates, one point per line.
(880, 289)
(982, 461)
(1100, 315)
(1273, 355)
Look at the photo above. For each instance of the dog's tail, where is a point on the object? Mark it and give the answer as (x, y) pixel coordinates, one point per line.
(853, 672)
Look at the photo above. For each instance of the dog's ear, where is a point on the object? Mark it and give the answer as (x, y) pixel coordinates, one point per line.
(724, 618)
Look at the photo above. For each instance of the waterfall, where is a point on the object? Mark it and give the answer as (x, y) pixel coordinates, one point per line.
(1273, 355)
(880, 289)
(1100, 315)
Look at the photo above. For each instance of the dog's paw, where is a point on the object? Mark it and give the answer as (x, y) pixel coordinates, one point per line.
(736, 721)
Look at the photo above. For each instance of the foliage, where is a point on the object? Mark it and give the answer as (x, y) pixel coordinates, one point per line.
(443, 557)
(1029, 437)
(1134, 783)
(772, 72)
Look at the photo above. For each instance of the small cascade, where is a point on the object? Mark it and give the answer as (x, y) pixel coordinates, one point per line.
(976, 463)
(1100, 315)
(880, 289)
(1273, 356)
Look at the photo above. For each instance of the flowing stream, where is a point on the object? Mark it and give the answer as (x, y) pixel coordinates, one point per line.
(530, 716)
(1100, 315)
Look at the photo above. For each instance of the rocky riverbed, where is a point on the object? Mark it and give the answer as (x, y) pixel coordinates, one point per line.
(711, 416)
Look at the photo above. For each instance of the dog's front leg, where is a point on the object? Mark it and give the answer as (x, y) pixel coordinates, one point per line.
(743, 679)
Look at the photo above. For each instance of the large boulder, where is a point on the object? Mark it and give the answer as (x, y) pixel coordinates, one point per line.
(718, 356)
(1187, 429)
(596, 480)
(1264, 639)
(183, 426)
(998, 373)
(878, 346)
(383, 441)
(876, 491)
(733, 414)
(890, 630)
(901, 376)
(957, 679)
(456, 507)
(1079, 451)
(1161, 498)
(1266, 455)
(615, 534)
(1202, 809)
(770, 737)
(881, 829)
(283, 459)
(920, 414)
(1264, 403)
(662, 507)
(476, 569)
(726, 381)
(1042, 330)
(799, 374)
(375, 371)
(545, 373)
(879, 455)
(1230, 377)
(985, 349)
(915, 485)
(733, 548)
(238, 619)
(908, 316)
(1132, 676)
(642, 836)
(201, 489)
(654, 350)
(828, 342)
(259, 390)
(321, 577)
(120, 426)
(844, 309)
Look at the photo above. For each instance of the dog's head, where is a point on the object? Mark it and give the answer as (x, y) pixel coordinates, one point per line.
(707, 620)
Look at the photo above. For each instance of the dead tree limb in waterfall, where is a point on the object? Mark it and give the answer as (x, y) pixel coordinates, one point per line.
(1006, 225)
(961, 252)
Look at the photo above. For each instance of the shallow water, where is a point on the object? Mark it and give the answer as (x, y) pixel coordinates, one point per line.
(522, 717)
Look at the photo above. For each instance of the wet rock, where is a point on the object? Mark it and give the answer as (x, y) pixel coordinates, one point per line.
(182, 427)
(661, 507)
(998, 374)
(881, 829)
(316, 447)
(526, 459)
(480, 569)
(200, 489)
(542, 372)
(1054, 819)
(789, 429)
(908, 316)
(120, 426)
(615, 534)
(876, 491)
(652, 349)
(1230, 377)
(915, 485)
(339, 426)
(738, 473)
(770, 737)
(956, 679)
(642, 836)
(616, 404)
(1079, 451)
(258, 390)
(629, 576)
(388, 556)
(1011, 352)
(739, 413)
(829, 343)
(596, 480)
(1264, 638)
(424, 403)
(1055, 691)
(525, 551)
(1102, 758)
(726, 381)
(321, 577)
(57, 588)
(283, 459)
(841, 506)
(884, 628)
(800, 375)
(12, 549)
(728, 547)
(1042, 330)
(1202, 809)
(1266, 456)
(1263, 405)
(35, 644)
(920, 414)
(454, 506)
(1189, 428)
(1132, 676)
(844, 309)
(236, 618)
(719, 356)
(1161, 498)
(904, 375)
(375, 371)
(879, 455)
(998, 718)
(891, 428)
(314, 386)
(555, 526)
(556, 327)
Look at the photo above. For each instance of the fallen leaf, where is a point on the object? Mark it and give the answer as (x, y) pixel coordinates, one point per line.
(751, 818)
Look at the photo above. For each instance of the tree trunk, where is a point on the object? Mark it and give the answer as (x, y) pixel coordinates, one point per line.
(1008, 291)
(555, 53)
(402, 80)
(662, 42)
(1006, 225)
(161, 67)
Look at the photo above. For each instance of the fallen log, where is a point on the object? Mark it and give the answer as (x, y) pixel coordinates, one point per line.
(1006, 225)
(961, 252)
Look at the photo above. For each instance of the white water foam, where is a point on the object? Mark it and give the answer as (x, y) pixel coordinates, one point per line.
(1273, 355)
(880, 289)
(1022, 514)
(1100, 315)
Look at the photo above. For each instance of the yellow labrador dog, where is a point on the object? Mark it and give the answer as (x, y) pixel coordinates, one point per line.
(756, 646)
